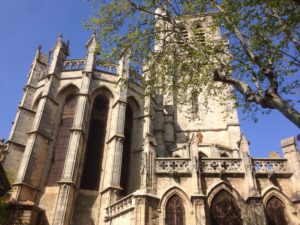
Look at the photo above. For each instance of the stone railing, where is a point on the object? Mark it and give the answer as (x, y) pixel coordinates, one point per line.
(107, 67)
(217, 165)
(74, 64)
(173, 166)
(270, 165)
(120, 207)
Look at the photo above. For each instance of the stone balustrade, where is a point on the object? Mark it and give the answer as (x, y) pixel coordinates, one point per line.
(173, 166)
(74, 64)
(120, 207)
(270, 165)
(217, 165)
(107, 67)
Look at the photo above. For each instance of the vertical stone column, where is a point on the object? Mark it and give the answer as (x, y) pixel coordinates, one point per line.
(257, 211)
(113, 161)
(249, 179)
(68, 183)
(119, 111)
(196, 183)
(199, 209)
(25, 115)
(256, 208)
(36, 155)
(148, 178)
(291, 153)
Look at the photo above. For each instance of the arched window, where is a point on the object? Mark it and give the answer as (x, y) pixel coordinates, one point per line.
(126, 157)
(224, 210)
(91, 175)
(195, 103)
(276, 212)
(62, 140)
(175, 211)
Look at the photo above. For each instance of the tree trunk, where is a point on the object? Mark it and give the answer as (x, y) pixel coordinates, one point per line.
(286, 109)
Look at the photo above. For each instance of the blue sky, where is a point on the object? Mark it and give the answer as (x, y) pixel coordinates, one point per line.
(25, 24)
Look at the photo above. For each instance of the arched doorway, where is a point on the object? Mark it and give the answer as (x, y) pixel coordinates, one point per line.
(275, 212)
(175, 212)
(91, 175)
(224, 210)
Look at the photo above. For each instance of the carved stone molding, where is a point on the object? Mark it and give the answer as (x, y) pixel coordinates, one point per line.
(271, 167)
(221, 165)
(173, 166)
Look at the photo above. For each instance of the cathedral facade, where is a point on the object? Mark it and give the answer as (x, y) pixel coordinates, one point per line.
(87, 148)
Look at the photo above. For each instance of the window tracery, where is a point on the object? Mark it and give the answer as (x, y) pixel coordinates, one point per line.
(224, 210)
(175, 211)
(62, 140)
(275, 212)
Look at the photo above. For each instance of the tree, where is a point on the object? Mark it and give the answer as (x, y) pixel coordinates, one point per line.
(261, 60)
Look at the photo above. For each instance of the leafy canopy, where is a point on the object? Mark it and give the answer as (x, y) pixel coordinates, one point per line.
(193, 45)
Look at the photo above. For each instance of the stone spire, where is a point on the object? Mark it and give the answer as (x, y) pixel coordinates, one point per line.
(60, 52)
(91, 46)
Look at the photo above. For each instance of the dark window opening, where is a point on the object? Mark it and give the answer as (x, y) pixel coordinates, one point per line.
(223, 154)
(62, 141)
(224, 210)
(202, 155)
(95, 145)
(276, 212)
(195, 102)
(125, 170)
(174, 211)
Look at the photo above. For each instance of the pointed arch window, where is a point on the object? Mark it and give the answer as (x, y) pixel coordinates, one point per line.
(126, 157)
(276, 212)
(92, 168)
(175, 211)
(224, 210)
(62, 140)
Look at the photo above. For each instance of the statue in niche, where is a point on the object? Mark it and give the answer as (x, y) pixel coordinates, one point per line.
(199, 137)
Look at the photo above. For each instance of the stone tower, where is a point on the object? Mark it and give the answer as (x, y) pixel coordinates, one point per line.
(88, 148)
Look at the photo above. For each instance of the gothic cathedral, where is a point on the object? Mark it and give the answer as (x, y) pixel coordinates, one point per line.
(85, 150)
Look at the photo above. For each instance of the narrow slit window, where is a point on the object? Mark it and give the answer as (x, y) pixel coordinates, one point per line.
(195, 102)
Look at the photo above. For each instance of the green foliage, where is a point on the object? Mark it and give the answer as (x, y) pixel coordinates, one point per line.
(261, 59)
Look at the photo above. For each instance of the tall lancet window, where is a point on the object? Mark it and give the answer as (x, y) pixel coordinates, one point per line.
(126, 157)
(175, 211)
(195, 102)
(276, 212)
(91, 175)
(62, 140)
(224, 210)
